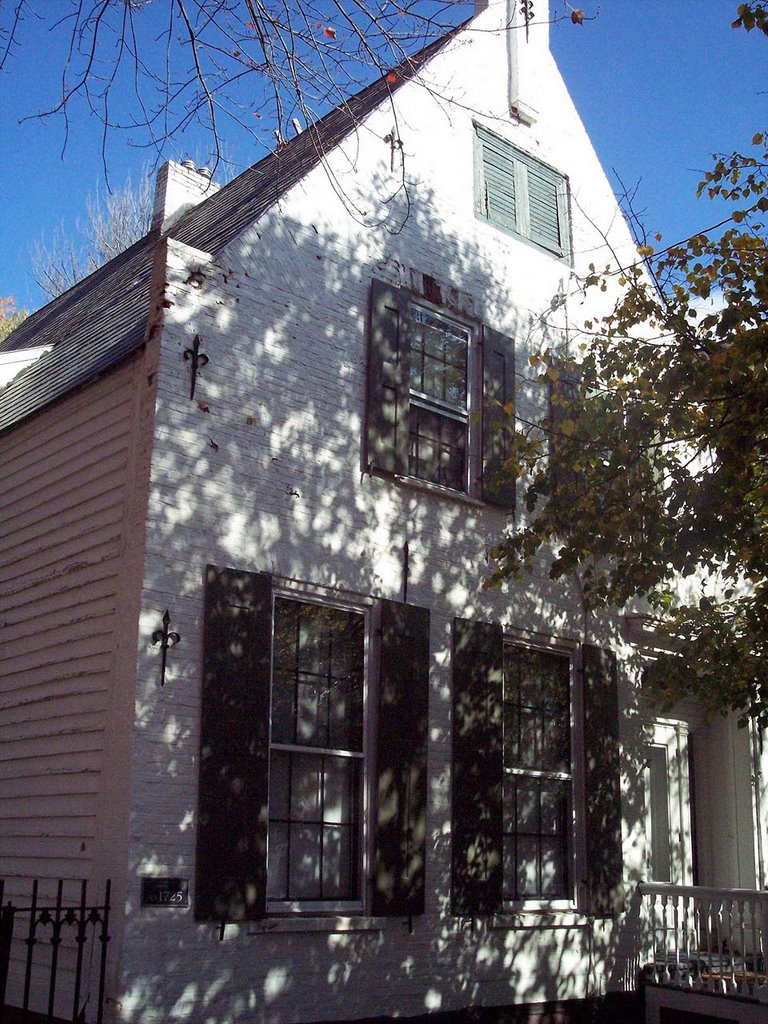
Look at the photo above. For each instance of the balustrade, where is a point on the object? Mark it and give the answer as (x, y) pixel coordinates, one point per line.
(711, 940)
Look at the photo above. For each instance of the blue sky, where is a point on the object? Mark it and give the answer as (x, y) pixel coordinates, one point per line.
(660, 85)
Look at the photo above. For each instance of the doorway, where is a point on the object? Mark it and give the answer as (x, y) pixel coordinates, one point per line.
(669, 855)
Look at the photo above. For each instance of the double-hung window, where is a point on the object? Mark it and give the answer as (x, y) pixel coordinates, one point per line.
(438, 415)
(440, 390)
(313, 785)
(518, 193)
(538, 779)
(514, 807)
(316, 759)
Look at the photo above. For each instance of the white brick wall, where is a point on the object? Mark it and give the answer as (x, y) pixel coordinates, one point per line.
(263, 471)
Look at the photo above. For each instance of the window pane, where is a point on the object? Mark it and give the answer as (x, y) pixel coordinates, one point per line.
(553, 809)
(346, 691)
(437, 448)
(313, 639)
(552, 869)
(279, 785)
(304, 867)
(312, 711)
(283, 711)
(306, 788)
(277, 866)
(456, 386)
(345, 726)
(527, 807)
(338, 871)
(286, 622)
(527, 867)
(339, 789)
(660, 819)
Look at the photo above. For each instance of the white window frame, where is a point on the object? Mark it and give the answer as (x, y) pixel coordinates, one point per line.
(471, 421)
(567, 649)
(326, 597)
(671, 736)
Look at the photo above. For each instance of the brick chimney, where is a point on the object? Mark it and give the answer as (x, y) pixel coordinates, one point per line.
(179, 187)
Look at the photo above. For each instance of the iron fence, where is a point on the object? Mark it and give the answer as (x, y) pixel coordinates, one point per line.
(43, 947)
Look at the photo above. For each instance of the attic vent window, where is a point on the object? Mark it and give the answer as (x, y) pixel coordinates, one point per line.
(519, 194)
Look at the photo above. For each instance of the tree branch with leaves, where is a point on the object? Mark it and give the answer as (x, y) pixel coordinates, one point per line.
(649, 480)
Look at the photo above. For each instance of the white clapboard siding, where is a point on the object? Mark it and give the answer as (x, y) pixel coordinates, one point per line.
(62, 511)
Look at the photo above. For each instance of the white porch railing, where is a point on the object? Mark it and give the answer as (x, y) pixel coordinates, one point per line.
(711, 940)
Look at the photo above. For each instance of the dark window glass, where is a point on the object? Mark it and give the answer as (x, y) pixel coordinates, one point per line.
(438, 419)
(438, 367)
(317, 682)
(316, 753)
(537, 780)
(437, 448)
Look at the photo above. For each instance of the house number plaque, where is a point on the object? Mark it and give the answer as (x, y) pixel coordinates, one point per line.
(164, 892)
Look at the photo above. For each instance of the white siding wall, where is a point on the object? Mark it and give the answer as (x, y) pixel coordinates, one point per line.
(62, 541)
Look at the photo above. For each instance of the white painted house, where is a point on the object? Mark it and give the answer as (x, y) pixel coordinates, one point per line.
(343, 781)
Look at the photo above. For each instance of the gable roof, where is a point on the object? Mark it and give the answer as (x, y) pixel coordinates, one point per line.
(102, 320)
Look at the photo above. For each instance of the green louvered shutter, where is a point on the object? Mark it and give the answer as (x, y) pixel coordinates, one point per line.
(497, 199)
(602, 782)
(546, 191)
(477, 825)
(234, 747)
(401, 760)
(498, 427)
(388, 367)
(517, 192)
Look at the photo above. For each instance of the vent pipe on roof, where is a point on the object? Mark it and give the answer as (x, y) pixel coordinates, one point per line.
(178, 188)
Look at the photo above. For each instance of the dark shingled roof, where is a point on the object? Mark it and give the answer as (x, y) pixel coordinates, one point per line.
(102, 320)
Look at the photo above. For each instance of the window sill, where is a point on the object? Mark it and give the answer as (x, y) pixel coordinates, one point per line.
(428, 487)
(331, 923)
(514, 920)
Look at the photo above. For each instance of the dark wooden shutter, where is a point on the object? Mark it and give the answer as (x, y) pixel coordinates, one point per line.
(498, 426)
(234, 747)
(602, 782)
(401, 760)
(478, 666)
(388, 366)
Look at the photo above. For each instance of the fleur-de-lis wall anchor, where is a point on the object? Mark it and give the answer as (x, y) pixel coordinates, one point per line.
(167, 639)
(395, 145)
(199, 360)
(526, 9)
